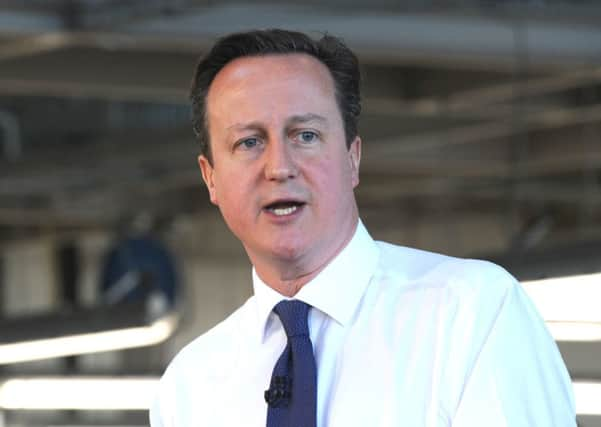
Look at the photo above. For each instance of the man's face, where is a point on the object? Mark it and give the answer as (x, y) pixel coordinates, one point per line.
(281, 173)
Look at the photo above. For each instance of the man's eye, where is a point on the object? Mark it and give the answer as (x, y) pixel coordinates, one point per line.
(248, 143)
(307, 136)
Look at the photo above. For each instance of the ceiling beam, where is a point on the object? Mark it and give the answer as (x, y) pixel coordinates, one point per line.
(550, 119)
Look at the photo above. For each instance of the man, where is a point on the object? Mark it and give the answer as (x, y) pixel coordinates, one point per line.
(398, 337)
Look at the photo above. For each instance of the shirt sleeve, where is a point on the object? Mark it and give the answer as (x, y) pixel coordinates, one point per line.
(518, 378)
(154, 416)
(159, 413)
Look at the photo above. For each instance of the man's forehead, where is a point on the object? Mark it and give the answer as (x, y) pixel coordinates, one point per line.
(293, 79)
(280, 61)
(276, 67)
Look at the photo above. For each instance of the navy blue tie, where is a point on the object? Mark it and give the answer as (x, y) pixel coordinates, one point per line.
(292, 393)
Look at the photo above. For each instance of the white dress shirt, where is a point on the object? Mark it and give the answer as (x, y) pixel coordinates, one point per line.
(401, 337)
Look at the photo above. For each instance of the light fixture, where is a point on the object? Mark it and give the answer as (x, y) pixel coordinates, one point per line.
(569, 305)
(574, 331)
(79, 393)
(569, 298)
(92, 342)
(588, 397)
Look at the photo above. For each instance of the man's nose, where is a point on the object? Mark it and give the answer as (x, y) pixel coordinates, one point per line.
(280, 163)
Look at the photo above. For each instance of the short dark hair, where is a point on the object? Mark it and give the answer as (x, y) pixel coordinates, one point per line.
(329, 50)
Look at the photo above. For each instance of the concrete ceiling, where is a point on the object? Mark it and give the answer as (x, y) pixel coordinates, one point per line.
(481, 105)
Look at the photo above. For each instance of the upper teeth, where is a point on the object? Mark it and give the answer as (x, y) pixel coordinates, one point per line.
(284, 211)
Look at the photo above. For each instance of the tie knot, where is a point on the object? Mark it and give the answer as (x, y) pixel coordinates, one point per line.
(293, 314)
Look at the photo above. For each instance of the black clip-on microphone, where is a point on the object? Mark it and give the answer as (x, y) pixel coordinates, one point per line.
(279, 392)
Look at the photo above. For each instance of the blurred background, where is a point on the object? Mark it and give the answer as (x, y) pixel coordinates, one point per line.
(482, 138)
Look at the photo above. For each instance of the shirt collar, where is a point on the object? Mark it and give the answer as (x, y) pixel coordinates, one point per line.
(336, 290)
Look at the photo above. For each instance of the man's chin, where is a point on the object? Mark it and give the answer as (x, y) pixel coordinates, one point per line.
(286, 249)
(288, 252)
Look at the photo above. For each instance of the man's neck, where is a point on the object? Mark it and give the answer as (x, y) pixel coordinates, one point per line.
(288, 276)
(286, 283)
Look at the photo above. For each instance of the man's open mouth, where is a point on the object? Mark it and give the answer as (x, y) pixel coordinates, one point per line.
(283, 208)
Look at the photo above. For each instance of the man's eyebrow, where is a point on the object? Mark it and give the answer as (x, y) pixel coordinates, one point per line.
(304, 118)
(300, 118)
(245, 126)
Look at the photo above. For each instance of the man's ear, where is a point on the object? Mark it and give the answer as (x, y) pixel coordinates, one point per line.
(207, 175)
(355, 159)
